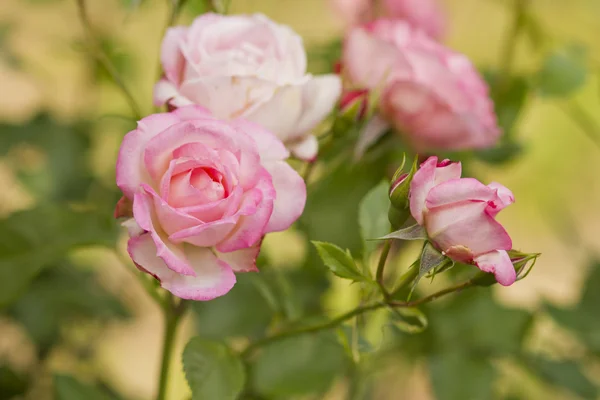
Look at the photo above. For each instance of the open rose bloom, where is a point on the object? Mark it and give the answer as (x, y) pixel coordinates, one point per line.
(459, 217)
(431, 94)
(204, 193)
(249, 67)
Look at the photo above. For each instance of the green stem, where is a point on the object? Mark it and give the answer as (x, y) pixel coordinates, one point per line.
(310, 329)
(351, 314)
(172, 316)
(452, 289)
(507, 51)
(585, 121)
(308, 170)
(407, 278)
(381, 266)
(105, 61)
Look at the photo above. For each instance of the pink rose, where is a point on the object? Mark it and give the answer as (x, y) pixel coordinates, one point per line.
(459, 217)
(426, 15)
(204, 193)
(420, 14)
(248, 67)
(432, 95)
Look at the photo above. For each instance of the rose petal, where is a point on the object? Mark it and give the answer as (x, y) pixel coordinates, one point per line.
(243, 260)
(319, 97)
(213, 277)
(211, 133)
(306, 149)
(130, 169)
(421, 184)
(221, 231)
(466, 224)
(498, 263)
(427, 176)
(505, 198)
(458, 190)
(171, 58)
(172, 254)
(269, 145)
(228, 96)
(252, 222)
(171, 219)
(281, 113)
(192, 112)
(290, 197)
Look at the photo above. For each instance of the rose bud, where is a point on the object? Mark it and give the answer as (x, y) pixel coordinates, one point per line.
(458, 215)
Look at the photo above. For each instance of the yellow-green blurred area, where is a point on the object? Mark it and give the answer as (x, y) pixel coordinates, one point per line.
(49, 84)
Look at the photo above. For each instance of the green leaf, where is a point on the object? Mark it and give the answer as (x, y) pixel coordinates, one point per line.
(339, 262)
(431, 262)
(243, 312)
(459, 376)
(33, 239)
(331, 213)
(563, 72)
(408, 320)
(373, 216)
(565, 374)
(413, 232)
(11, 383)
(299, 365)
(68, 388)
(509, 95)
(61, 171)
(212, 370)
(59, 296)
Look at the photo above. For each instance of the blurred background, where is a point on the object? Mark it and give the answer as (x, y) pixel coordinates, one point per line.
(73, 316)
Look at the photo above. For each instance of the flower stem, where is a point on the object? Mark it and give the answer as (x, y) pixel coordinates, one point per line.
(350, 314)
(104, 60)
(381, 265)
(172, 316)
(509, 47)
(407, 278)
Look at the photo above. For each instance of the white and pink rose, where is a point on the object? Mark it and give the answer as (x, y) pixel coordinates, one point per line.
(247, 66)
(203, 193)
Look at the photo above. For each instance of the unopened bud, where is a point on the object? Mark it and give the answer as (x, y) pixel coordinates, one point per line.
(399, 193)
(400, 187)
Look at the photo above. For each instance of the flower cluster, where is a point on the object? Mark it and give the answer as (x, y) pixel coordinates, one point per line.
(206, 180)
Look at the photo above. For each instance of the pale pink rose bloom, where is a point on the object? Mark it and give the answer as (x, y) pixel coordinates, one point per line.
(459, 217)
(426, 15)
(431, 94)
(204, 192)
(250, 67)
(353, 12)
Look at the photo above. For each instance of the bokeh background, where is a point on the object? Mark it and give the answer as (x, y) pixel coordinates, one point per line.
(83, 314)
